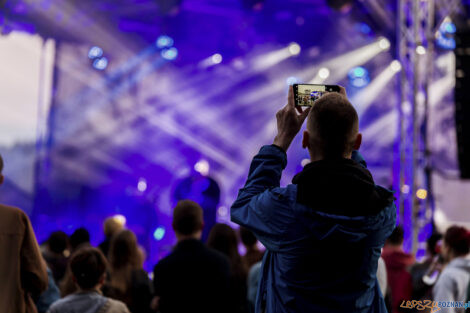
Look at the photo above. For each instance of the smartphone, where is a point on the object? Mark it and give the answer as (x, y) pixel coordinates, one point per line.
(307, 94)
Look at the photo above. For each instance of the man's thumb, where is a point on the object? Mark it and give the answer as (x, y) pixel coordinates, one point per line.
(304, 114)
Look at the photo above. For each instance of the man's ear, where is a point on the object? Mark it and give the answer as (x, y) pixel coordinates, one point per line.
(306, 139)
(357, 142)
(102, 279)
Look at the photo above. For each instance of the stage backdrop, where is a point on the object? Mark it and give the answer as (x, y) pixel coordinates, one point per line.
(134, 138)
(160, 120)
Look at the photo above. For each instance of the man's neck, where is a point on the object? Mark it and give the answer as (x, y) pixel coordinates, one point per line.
(314, 157)
(196, 236)
(94, 289)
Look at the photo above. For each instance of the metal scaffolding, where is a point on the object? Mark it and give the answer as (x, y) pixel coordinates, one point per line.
(418, 22)
(415, 51)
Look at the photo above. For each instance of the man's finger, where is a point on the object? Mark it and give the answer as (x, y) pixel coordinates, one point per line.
(290, 97)
(304, 114)
(342, 91)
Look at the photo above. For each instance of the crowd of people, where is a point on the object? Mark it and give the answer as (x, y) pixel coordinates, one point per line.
(442, 276)
(331, 244)
(66, 274)
(213, 276)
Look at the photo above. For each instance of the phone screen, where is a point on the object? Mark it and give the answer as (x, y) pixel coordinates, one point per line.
(306, 95)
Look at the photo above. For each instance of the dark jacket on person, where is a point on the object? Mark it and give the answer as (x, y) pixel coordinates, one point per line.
(421, 290)
(138, 295)
(23, 274)
(193, 278)
(323, 233)
(238, 290)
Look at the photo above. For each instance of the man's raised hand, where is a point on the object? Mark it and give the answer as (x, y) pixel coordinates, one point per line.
(289, 121)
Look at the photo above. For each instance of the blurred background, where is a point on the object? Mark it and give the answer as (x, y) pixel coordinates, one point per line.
(123, 107)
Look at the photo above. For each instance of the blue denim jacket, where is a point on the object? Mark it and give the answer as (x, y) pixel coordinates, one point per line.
(316, 261)
(51, 295)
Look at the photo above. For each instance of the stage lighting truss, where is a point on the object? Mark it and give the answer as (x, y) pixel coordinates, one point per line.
(416, 38)
(415, 50)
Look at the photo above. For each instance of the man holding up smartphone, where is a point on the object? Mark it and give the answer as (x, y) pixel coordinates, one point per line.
(324, 232)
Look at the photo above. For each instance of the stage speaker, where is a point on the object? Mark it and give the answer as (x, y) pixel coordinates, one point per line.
(462, 99)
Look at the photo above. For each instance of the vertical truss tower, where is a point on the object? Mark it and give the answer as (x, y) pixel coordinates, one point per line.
(415, 52)
(415, 43)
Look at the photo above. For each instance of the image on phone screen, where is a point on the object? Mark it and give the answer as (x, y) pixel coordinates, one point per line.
(308, 94)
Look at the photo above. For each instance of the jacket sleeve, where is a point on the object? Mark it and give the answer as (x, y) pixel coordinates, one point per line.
(34, 277)
(262, 206)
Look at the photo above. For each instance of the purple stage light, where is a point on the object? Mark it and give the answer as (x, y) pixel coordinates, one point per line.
(101, 63)
(445, 35)
(294, 48)
(202, 167)
(95, 52)
(323, 73)
(222, 212)
(384, 43)
(216, 58)
(164, 42)
(142, 185)
(363, 28)
(159, 233)
(169, 54)
(359, 77)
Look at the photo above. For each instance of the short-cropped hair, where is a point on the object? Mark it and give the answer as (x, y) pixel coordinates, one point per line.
(79, 237)
(397, 236)
(58, 241)
(187, 217)
(457, 238)
(1, 164)
(88, 266)
(333, 123)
